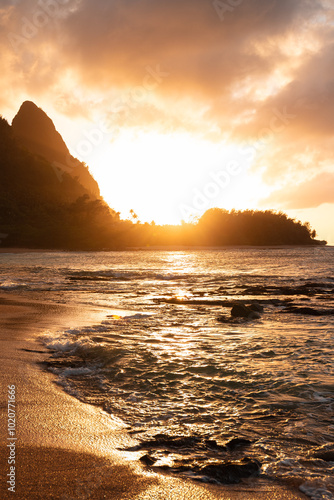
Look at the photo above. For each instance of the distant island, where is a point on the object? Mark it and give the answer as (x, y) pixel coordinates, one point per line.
(49, 200)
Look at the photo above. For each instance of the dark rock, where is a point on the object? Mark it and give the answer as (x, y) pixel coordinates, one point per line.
(309, 311)
(309, 289)
(237, 443)
(325, 453)
(194, 302)
(232, 473)
(327, 456)
(279, 302)
(147, 460)
(242, 311)
(255, 290)
(223, 319)
(212, 443)
(131, 448)
(163, 440)
(213, 302)
(254, 315)
(256, 307)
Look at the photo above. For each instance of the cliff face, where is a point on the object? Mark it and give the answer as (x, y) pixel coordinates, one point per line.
(36, 132)
(39, 208)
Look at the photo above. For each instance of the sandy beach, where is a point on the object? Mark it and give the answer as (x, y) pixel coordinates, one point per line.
(68, 450)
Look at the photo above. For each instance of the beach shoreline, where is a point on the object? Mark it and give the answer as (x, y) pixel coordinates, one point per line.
(67, 449)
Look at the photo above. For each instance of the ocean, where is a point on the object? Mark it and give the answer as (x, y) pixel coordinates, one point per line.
(197, 388)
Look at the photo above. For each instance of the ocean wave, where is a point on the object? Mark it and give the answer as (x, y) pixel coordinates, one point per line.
(8, 286)
(169, 367)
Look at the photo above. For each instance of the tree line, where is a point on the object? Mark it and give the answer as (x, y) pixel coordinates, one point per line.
(39, 211)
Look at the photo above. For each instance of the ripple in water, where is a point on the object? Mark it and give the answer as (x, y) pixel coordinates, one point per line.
(217, 401)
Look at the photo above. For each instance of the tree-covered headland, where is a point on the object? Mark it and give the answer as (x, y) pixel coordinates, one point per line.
(45, 206)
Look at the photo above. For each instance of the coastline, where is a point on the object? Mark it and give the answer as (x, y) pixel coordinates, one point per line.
(27, 250)
(172, 248)
(67, 449)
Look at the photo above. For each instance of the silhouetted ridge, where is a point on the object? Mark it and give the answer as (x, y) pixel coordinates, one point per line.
(36, 132)
(41, 208)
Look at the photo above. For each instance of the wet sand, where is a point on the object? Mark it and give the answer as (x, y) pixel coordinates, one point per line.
(68, 450)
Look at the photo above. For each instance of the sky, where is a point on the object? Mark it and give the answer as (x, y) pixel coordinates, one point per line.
(184, 105)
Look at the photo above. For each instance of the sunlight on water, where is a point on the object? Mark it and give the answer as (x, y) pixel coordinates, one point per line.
(169, 368)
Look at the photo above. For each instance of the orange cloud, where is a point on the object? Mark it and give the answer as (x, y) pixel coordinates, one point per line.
(309, 194)
(260, 72)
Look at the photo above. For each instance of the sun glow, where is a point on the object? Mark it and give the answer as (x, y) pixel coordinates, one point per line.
(181, 295)
(169, 178)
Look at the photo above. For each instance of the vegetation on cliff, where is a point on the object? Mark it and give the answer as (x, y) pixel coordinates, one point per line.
(41, 208)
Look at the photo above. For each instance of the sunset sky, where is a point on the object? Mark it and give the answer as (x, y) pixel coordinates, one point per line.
(181, 105)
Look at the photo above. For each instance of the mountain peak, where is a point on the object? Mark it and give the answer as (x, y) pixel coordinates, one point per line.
(36, 132)
(30, 105)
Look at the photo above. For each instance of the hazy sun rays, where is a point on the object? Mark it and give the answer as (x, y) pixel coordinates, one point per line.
(180, 175)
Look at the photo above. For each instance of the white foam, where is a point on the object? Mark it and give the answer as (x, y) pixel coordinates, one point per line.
(9, 285)
(320, 398)
(60, 343)
(77, 371)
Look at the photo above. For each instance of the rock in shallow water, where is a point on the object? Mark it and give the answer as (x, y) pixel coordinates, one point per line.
(256, 307)
(231, 473)
(147, 460)
(327, 456)
(325, 452)
(241, 311)
(165, 441)
(237, 443)
(309, 311)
